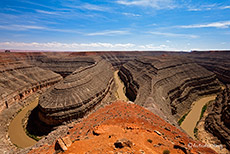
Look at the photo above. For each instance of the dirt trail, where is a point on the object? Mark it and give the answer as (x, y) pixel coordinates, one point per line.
(120, 87)
(191, 119)
(16, 132)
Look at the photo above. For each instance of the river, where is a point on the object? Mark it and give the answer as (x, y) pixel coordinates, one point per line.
(16, 131)
(120, 87)
(193, 116)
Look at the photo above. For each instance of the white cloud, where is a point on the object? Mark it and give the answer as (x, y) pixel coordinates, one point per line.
(56, 46)
(131, 14)
(194, 9)
(91, 7)
(95, 7)
(21, 27)
(47, 12)
(157, 4)
(108, 33)
(223, 24)
(33, 27)
(225, 7)
(174, 35)
(208, 7)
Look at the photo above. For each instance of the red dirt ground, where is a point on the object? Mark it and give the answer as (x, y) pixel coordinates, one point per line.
(146, 133)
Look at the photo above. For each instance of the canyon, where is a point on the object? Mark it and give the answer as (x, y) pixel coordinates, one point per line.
(77, 91)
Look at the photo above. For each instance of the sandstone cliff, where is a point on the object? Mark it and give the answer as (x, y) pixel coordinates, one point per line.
(18, 79)
(77, 94)
(167, 85)
(216, 61)
(218, 120)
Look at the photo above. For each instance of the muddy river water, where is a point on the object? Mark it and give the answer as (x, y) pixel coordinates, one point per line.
(120, 87)
(193, 116)
(16, 131)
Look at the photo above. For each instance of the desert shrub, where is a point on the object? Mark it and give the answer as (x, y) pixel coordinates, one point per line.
(166, 152)
(182, 119)
(149, 140)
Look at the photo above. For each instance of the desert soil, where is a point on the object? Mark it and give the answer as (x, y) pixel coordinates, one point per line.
(16, 131)
(120, 87)
(193, 117)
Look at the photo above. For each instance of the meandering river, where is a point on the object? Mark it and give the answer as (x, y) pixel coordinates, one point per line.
(120, 87)
(16, 130)
(193, 116)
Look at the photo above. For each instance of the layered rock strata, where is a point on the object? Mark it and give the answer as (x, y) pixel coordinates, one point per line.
(167, 85)
(63, 63)
(117, 59)
(19, 79)
(77, 94)
(217, 61)
(64, 66)
(217, 122)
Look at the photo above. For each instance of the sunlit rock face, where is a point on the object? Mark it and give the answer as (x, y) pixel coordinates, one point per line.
(167, 85)
(117, 127)
(216, 61)
(217, 122)
(77, 94)
(19, 79)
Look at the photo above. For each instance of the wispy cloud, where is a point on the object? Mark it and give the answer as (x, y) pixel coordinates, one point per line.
(47, 12)
(21, 27)
(157, 4)
(109, 33)
(131, 14)
(174, 35)
(64, 46)
(87, 6)
(225, 7)
(95, 7)
(34, 27)
(222, 24)
(98, 46)
(194, 9)
(36, 4)
(209, 7)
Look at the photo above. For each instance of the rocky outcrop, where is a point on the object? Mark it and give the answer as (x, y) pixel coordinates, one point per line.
(77, 94)
(167, 85)
(217, 122)
(117, 128)
(19, 79)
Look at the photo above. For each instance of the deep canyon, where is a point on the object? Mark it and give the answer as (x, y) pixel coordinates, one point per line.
(78, 95)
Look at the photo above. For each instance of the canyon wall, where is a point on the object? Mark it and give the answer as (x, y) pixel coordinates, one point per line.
(77, 94)
(19, 79)
(167, 85)
(216, 61)
(63, 63)
(218, 120)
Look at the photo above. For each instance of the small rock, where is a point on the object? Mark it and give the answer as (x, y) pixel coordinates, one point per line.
(64, 143)
(67, 141)
(61, 144)
(96, 133)
(168, 129)
(184, 149)
(123, 143)
(158, 133)
(142, 151)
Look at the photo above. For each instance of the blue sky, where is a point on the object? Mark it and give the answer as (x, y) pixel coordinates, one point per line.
(77, 25)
